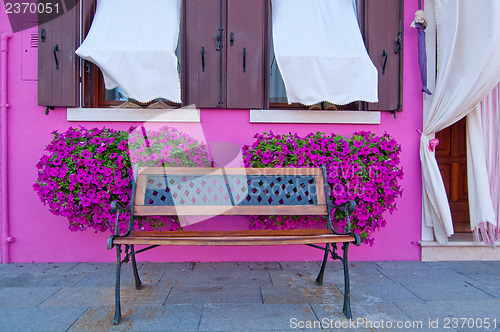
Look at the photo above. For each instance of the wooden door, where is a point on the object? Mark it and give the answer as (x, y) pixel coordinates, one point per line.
(451, 155)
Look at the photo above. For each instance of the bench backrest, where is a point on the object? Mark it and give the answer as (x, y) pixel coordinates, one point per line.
(230, 191)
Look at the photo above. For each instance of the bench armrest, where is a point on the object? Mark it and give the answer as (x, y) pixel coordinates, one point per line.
(348, 208)
(118, 207)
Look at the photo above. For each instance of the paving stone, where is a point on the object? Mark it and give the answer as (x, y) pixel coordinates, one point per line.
(25, 297)
(224, 274)
(457, 265)
(494, 264)
(107, 278)
(368, 292)
(39, 319)
(98, 267)
(365, 273)
(446, 291)
(167, 267)
(38, 268)
(430, 311)
(424, 275)
(141, 318)
(104, 296)
(254, 317)
(485, 272)
(214, 294)
(370, 316)
(302, 266)
(489, 286)
(15, 279)
(236, 266)
(403, 265)
(294, 276)
(301, 294)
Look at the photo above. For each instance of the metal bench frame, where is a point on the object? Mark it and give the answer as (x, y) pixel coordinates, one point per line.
(251, 191)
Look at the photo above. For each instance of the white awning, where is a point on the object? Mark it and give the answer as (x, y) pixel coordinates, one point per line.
(320, 52)
(133, 43)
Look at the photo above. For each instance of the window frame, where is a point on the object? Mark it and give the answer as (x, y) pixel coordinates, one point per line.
(87, 74)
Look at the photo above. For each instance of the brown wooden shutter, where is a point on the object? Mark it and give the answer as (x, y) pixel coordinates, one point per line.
(381, 30)
(90, 72)
(58, 83)
(202, 67)
(247, 28)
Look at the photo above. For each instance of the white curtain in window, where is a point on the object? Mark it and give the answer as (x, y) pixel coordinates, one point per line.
(483, 167)
(468, 69)
(133, 43)
(320, 52)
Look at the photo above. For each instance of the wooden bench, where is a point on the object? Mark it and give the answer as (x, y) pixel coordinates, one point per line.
(231, 191)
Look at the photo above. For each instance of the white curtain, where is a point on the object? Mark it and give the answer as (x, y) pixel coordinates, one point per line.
(133, 43)
(468, 69)
(320, 52)
(483, 167)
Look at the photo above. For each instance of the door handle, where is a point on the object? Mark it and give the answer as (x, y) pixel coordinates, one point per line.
(202, 59)
(244, 59)
(56, 49)
(384, 54)
(231, 39)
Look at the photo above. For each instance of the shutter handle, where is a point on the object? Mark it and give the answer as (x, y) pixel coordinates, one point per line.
(231, 39)
(203, 59)
(244, 59)
(42, 36)
(56, 49)
(384, 54)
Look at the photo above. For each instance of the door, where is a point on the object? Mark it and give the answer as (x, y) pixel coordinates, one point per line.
(451, 155)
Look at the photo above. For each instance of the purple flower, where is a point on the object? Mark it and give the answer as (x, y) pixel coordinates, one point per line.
(86, 154)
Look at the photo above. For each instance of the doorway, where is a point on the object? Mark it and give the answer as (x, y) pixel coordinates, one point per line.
(451, 155)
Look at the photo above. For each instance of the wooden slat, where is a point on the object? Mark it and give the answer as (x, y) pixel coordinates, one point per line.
(287, 210)
(265, 232)
(320, 189)
(229, 171)
(140, 189)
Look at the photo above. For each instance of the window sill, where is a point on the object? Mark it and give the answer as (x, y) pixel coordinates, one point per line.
(134, 114)
(306, 116)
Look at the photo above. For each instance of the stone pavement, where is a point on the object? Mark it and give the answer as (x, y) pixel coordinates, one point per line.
(272, 296)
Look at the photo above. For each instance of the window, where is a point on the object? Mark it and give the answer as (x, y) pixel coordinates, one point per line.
(226, 57)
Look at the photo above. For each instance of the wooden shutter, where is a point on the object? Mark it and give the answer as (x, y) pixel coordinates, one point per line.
(247, 25)
(382, 39)
(203, 84)
(90, 72)
(58, 38)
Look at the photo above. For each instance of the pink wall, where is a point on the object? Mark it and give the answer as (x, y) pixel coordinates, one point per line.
(42, 237)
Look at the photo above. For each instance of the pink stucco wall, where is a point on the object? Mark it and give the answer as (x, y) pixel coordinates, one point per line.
(42, 237)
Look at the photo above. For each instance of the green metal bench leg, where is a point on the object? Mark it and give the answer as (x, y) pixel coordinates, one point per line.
(118, 312)
(347, 286)
(319, 279)
(134, 268)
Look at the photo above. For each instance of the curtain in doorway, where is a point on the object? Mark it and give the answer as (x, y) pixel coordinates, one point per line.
(483, 167)
(468, 49)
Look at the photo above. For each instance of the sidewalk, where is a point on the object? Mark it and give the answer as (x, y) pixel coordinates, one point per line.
(251, 296)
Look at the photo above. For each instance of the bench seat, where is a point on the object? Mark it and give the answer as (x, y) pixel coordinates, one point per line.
(234, 238)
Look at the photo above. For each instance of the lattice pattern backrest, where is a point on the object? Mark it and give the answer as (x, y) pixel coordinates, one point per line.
(230, 190)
